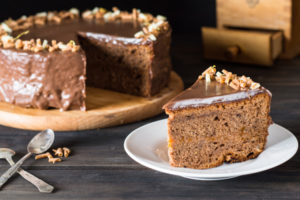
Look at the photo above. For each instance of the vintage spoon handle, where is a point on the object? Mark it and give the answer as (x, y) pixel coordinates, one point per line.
(41, 185)
(12, 170)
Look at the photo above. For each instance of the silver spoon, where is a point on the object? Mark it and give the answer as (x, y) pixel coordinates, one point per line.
(38, 144)
(42, 186)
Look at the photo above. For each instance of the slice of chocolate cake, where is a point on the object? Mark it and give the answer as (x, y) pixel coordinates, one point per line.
(221, 118)
(126, 64)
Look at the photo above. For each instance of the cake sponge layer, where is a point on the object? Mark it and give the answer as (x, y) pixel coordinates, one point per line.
(207, 136)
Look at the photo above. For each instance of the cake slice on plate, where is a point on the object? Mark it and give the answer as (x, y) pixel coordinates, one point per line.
(221, 118)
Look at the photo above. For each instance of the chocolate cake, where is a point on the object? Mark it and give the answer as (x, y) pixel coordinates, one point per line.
(221, 118)
(47, 60)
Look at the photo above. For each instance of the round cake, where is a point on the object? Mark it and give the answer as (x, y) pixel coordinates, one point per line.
(47, 60)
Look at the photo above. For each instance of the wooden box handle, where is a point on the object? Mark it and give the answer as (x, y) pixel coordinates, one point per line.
(232, 52)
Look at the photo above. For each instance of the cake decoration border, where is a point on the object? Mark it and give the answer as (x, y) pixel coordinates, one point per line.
(151, 27)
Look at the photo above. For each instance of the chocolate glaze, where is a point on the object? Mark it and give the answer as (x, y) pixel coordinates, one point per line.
(202, 94)
(42, 80)
(68, 30)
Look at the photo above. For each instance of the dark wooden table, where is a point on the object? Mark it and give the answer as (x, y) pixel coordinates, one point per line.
(99, 167)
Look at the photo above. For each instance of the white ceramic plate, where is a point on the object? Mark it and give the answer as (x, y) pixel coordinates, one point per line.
(147, 145)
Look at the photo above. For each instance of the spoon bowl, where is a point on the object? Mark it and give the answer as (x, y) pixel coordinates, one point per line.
(41, 142)
(5, 152)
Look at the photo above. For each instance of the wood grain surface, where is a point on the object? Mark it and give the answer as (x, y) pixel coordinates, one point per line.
(217, 43)
(279, 15)
(104, 108)
(99, 168)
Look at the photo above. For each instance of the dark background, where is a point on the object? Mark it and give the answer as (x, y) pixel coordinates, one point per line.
(184, 16)
(99, 167)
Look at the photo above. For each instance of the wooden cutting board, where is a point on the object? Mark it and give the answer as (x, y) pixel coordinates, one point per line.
(104, 108)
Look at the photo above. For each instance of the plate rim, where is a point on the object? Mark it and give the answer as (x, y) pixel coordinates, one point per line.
(203, 175)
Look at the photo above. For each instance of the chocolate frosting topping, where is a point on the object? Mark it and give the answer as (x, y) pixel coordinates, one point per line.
(203, 93)
(42, 80)
(67, 30)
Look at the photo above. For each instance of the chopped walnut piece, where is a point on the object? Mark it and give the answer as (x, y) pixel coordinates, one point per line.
(74, 11)
(152, 37)
(53, 43)
(58, 152)
(115, 9)
(108, 16)
(27, 45)
(224, 71)
(38, 42)
(51, 49)
(228, 77)
(235, 84)
(234, 81)
(40, 21)
(63, 47)
(45, 44)
(75, 48)
(44, 155)
(67, 152)
(207, 78)
(243, 85)
(210, 71)
(219, 74)
(56, 19)
(145, 30)
(254, 86)
(54, 160)
(126, 17)
(87, 15)
(160, 17)
(19, 44)
(102, 10)
(134, 15)
(7, 41)
(220, 79)
(139, 34)
(6, 28)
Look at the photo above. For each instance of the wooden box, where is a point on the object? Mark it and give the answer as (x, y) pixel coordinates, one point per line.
(279, 15)
(254, 47)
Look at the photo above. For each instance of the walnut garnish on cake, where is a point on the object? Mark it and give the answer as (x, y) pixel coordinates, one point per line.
(152, 26)
(225, 77)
